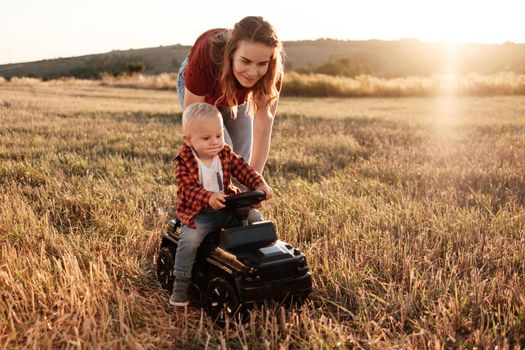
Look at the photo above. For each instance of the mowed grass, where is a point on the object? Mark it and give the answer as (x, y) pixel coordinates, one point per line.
(411, 212)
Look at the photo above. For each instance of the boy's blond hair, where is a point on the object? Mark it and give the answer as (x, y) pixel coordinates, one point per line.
(198, 112)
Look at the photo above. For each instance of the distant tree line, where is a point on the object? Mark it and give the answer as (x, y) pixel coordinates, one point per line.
(343, 67)
(93, 67)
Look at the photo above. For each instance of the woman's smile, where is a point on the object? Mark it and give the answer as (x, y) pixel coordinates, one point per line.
(250, 62)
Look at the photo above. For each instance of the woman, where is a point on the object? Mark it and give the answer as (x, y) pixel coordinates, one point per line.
(240, 71)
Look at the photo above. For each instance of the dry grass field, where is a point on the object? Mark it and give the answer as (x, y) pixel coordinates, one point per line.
(411, 212)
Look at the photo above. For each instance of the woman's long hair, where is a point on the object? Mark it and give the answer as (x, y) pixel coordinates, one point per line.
(257, 30)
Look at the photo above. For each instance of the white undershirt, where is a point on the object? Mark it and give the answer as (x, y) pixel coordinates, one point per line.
(211, 176)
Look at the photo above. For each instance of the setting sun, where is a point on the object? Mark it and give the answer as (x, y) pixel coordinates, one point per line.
(469, 21)
(443, 21)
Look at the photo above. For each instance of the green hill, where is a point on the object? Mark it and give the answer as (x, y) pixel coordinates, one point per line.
(381, 58)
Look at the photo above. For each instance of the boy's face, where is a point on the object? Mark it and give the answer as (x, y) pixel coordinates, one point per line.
(206, 138)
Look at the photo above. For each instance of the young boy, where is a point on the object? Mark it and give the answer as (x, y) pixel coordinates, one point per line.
(203, 167)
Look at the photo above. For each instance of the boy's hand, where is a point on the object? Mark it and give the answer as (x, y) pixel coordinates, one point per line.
(216, 200)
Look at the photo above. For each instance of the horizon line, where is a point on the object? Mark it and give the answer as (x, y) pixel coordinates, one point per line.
(413, 39)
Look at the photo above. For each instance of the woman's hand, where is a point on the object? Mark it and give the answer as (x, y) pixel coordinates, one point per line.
(269, 194)
(268, 190)
(216, 200)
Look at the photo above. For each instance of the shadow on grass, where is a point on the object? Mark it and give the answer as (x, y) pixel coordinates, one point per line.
(316, 147)
(311, 170)
(141, 117)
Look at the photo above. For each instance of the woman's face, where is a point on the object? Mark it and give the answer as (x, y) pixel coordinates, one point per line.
(250, 62)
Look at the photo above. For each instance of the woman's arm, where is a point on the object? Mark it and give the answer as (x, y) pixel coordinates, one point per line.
(190, 97)
(262, 134)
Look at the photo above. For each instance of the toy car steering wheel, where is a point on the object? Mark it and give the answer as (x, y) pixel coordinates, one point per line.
(245, 199)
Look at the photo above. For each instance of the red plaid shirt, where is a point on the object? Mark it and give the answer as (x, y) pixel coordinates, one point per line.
(192, 196)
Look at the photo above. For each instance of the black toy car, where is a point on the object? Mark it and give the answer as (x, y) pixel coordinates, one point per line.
(240, 266)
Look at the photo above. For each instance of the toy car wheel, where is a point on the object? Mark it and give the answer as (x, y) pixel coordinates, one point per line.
(222, 301)
(165, 263)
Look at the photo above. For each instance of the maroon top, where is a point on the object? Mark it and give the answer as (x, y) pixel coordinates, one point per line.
(192, 196)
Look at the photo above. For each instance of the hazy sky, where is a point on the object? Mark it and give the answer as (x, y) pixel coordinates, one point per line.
(39, 29)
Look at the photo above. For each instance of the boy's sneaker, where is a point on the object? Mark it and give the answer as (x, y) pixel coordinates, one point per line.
(179, 296)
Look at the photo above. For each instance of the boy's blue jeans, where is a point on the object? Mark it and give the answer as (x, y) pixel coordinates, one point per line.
(190, 239)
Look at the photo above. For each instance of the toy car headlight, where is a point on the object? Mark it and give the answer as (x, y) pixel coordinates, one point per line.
(301, 263)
